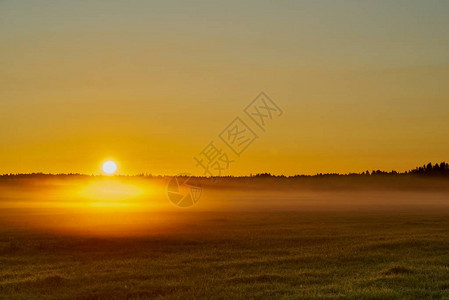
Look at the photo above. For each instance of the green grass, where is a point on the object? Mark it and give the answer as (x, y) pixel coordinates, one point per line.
(242, 255)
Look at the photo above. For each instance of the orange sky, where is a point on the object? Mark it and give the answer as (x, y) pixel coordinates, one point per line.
(363, 85)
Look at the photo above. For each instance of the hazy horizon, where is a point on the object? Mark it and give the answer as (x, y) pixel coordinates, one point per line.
(371, 172)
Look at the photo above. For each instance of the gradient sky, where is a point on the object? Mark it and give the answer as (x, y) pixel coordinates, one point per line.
(363, 84)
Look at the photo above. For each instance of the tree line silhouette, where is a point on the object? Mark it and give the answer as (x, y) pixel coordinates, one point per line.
(429, 170)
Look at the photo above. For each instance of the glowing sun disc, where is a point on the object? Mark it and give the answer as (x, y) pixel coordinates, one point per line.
(109, 167)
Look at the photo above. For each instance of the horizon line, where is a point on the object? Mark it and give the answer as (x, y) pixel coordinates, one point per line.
(442, 168)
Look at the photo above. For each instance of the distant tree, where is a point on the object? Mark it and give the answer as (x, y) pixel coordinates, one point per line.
(441, 169)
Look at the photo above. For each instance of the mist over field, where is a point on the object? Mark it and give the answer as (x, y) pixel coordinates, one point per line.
(129, 206)
(66, 237)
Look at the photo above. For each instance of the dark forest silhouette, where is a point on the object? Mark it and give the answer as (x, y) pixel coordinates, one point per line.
(438, 169)
(429, 170)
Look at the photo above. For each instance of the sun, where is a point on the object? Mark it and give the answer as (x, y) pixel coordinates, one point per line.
(109, 167)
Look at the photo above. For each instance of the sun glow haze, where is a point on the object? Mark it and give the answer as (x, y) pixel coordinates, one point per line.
(111, 193)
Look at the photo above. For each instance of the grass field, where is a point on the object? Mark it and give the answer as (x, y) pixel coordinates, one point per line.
(364, 245)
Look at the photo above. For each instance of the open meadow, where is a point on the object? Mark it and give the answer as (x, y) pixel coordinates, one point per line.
(335, 243)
